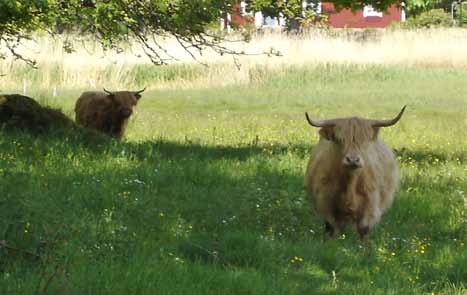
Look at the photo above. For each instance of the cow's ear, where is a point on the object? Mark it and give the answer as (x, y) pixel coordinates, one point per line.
(375, 132)
(327, 133)
(138, 96)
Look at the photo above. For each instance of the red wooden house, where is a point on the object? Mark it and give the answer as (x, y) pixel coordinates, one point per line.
(345, 18)
(365, 18)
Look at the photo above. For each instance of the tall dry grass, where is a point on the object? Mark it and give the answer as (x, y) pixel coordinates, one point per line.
(90, 67)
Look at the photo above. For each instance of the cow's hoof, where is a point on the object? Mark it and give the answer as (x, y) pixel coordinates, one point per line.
(329, 229)
(363, 232)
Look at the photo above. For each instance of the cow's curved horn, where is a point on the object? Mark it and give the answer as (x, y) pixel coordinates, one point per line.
(138, 92)
(387, 123)
(324, 123)
(107, 91)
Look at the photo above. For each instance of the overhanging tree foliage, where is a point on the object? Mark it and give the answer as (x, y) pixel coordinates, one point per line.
(115, 21)
(18, 19)
(416, 7)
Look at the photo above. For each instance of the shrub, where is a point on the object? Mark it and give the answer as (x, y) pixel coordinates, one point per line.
(430, 19)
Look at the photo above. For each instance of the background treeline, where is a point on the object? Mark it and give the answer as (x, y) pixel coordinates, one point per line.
(116, 22)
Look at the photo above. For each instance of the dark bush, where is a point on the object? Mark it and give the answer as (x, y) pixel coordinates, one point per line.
(430, 19)
(24, 113)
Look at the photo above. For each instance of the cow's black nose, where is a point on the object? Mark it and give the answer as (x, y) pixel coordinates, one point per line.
(126, 113)
(352, 161)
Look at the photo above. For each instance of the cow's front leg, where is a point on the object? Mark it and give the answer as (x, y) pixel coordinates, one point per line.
(328, 228)
(371, 215)
(363, 231)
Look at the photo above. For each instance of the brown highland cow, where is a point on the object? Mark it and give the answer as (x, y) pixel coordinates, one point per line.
(351, 175)
(106, 111)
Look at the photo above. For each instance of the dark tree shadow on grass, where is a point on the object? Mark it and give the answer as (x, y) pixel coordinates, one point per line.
(171, 149)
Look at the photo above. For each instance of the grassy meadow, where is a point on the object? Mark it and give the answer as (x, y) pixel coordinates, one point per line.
(205, 194)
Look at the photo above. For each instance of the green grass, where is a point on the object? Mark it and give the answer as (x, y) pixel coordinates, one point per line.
(205, 196)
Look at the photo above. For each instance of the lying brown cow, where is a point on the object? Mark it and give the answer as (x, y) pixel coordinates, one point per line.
(106, 111)
(24, 113)
(352, 175)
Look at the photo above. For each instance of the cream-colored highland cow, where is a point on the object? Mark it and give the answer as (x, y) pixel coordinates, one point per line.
(352, 175)
(106, 111)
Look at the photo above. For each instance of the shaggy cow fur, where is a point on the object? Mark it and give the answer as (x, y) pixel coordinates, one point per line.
(24, 113)
(106, 111)
(352, 175)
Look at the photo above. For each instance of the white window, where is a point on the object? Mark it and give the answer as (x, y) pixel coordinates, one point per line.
(243, 7)
(270, 22)
(314, 5)
(368, 10)
(259, 19)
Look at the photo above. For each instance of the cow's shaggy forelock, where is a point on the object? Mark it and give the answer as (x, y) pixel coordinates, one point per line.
(353, 133)
(124, 100)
